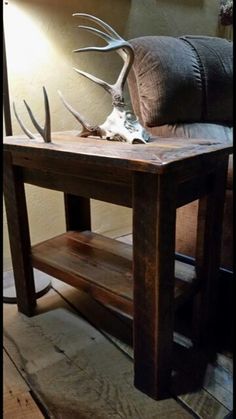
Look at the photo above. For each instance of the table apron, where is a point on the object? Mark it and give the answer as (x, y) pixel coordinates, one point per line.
(108, 189)
(104, 190)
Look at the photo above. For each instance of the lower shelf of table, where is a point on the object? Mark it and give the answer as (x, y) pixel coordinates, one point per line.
(101, 267)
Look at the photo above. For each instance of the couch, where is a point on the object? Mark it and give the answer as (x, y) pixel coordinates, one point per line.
(182, 87)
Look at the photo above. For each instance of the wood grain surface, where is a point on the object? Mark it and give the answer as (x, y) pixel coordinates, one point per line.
(163, 173)
(102, 267)
(155, 156)
(212, 400)
(17, 400)
(154, 210)
(74, 370)
(19, 237)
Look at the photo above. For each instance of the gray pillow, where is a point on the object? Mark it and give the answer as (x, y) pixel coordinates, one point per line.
(187, 79)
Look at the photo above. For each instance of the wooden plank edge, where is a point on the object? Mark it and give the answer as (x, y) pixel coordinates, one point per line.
(21, 405)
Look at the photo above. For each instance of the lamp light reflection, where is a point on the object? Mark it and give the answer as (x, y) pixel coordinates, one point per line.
(27, 47)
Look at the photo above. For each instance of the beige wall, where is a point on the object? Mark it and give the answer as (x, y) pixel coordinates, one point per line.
(40, 37)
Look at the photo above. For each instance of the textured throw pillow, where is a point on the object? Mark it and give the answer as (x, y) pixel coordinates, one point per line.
(187, 79)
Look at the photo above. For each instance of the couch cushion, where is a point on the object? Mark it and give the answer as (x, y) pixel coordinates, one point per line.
(205, 130)
(187, 79)
(215, 57)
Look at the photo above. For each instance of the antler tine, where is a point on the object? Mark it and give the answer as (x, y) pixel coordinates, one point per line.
(105, 26)
(103, 35)
(37, 126)
(115, 43)
(102, 83)
(47, 126)
(46, 131)
(87, 128)
(26, 131)
(120, 48)
(112, 42)
(100, 22)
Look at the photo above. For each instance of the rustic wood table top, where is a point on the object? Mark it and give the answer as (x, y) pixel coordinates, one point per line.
(157, 156)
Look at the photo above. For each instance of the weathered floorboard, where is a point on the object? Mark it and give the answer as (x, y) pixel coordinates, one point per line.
(219, 383)
(17, 400)
(213, 400)
(21, 406)
(74, 370)
(12, 380)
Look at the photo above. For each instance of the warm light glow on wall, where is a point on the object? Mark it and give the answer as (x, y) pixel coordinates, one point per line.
(27, 47)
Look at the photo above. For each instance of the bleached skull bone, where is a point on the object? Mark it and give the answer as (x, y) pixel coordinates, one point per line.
(122, 125)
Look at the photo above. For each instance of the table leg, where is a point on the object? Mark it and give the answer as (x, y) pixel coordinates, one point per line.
(209, 232)
(19, 237)
(154, 215)
(77, 212)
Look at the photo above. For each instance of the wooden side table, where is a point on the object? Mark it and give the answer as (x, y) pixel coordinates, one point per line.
(154, 180)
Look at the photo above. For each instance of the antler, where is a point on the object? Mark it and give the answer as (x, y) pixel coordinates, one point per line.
(114, 43)
(45, 131)
(87, 128)
(120, 125)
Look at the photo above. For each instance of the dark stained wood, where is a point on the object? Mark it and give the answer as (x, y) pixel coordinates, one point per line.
(104, 186)
(158, 156)
(119, 194)
(100, 266)
(101, 273)
(154, 213)
(6, 101)
(77, 212)
(209, 231)
(154, 179)
(17, 220)
(191, 190)
(60, 166)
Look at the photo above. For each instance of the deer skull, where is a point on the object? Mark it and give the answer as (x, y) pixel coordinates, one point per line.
(121, 124)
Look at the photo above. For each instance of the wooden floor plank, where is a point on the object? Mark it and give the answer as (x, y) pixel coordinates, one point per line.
(219, 383)
(17, 400)
(20, 406)
(217, 399)
(74, 370)
(204, 405)
(12, 380)
(226, 362)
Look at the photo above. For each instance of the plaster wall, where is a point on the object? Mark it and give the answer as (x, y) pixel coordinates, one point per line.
(40, 38)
